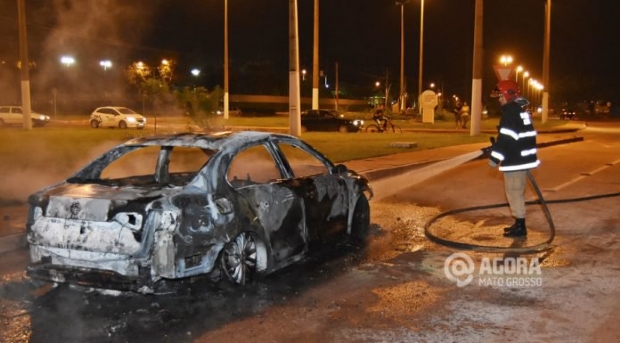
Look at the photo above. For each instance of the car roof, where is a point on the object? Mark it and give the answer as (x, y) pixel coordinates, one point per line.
(214, 141)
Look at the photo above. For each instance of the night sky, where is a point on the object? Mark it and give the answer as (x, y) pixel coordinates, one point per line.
(362, 36)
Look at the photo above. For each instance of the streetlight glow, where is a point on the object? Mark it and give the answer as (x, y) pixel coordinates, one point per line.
(505, 60)
(195, 72)
(105, 64)
(67, 60)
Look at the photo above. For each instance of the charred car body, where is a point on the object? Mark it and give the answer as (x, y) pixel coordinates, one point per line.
(236, 205)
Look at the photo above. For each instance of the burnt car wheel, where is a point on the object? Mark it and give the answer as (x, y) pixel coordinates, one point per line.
(122, 125)
(243, 259)
(94, 124)
(361, 220)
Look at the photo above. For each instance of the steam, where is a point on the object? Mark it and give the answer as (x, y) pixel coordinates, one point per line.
(19, 182)
(88, 31)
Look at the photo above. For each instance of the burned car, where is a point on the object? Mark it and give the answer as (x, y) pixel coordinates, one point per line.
(223, 205)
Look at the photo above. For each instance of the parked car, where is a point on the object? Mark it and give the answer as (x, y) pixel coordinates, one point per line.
(232, 112)
(14, 115)
(230, 205)
(568, 114)
(114, 116)
(329, 120)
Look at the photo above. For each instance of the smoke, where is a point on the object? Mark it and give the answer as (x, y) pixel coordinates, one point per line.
(89, 31)
(19, 181)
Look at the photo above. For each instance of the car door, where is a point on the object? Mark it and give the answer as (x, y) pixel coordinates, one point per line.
(325, 195)
(311, 120)
(108, 117)
(257, 176)
(16, 116)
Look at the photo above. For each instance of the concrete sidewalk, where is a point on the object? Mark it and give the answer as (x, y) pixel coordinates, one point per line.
(13, 218)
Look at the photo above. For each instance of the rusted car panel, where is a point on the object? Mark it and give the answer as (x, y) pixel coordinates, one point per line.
(171, 207)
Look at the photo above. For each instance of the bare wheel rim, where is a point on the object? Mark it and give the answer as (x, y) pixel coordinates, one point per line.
(239, 259)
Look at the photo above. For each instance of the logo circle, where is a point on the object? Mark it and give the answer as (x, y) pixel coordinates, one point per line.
(459, 268)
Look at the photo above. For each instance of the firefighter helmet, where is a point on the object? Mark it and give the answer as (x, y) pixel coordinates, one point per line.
(508, 88)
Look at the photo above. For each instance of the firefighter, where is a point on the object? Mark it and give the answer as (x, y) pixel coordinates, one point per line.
(514, 151)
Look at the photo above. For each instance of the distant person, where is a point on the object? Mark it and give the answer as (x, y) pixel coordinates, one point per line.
(380, 118)
(514, 151)
(457, 114)
(465, 115)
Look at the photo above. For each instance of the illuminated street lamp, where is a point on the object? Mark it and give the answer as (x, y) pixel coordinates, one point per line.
(195, 72)
(526, 74)
(67, 60)
(517, 71)
(303, 75)
(105, 64)
(505, 60)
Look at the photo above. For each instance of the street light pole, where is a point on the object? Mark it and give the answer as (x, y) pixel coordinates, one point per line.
(476, 86)
(294, 105)
(420, 69)
(25, 65)
(226, 107)
(315, 59)
(401, 99)
(545, 94)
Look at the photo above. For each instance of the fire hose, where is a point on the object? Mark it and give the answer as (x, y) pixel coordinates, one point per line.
(546, 245)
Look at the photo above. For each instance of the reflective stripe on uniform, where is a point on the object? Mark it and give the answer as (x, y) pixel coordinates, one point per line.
(528, 152)
(520, 166)
(527, 134)
(497, 155)
(508, 132)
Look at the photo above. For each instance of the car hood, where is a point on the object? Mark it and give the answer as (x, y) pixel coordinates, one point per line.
(93, 201)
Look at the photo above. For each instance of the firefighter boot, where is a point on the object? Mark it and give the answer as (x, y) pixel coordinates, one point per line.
(517, 229)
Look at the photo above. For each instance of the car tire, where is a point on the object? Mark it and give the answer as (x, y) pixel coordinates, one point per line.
(244, 259)
(343, 129)
(122, 125)
(360, 224)
(1, 123)
(94, 124)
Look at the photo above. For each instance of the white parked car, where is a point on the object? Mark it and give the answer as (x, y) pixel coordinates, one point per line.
(113, 116)
(13, 115)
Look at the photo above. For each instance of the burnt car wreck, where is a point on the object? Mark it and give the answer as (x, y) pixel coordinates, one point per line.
(235, 205)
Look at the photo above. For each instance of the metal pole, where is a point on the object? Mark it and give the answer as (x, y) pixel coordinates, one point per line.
(315, 59)
(402, 57)
(421, 48)
(545, 93)
(476, 86)
(294, 96)
(25, 65)
(226, 106)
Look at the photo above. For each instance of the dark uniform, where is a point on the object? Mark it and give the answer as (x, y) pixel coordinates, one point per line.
(514, 152)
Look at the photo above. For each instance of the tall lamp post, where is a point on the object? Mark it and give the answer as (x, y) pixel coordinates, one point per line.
(517, 71)
(25, 64)
(545, 94)
(420, 69)
(476, 84)
(226, 59)
(294, 104)
(315, 59)
(401, 99)
(526, 74)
